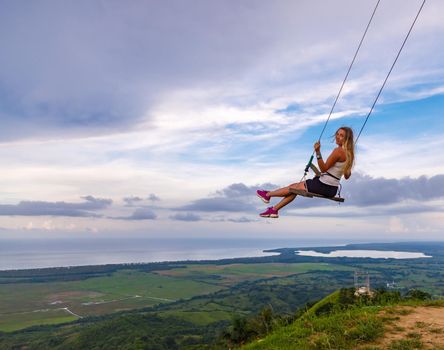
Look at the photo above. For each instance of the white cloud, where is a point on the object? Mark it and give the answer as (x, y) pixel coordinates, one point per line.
(387, 155)
(107, 108)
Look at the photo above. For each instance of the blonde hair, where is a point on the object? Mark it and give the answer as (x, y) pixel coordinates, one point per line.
(349, 148)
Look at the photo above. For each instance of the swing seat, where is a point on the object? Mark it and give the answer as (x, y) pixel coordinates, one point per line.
(311, 195)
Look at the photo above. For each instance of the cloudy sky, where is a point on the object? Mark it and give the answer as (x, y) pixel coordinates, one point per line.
(162, 118)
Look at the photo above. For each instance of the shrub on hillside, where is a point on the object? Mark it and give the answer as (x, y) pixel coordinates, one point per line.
(416, 294)
(245, 329)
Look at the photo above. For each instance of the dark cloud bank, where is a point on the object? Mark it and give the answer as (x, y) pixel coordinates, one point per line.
(136, 201)
(360, 191)
(153, 198)
(41, 208)
(131, 201)
(363, 190)
(139, 214)
(376, 196)
(186, 217)
(234, 198)
(87, 208)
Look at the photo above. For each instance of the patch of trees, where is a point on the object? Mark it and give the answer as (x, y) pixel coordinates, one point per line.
(148, 331)
(245, 329)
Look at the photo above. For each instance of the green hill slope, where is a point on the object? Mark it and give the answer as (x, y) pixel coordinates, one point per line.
(329, 324)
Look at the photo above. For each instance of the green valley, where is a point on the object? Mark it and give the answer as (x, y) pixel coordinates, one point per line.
(188, 305)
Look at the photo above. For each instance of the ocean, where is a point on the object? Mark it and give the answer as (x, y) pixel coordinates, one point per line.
(39, 253)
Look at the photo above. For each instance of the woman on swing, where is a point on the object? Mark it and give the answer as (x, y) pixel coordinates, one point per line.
(340, 162)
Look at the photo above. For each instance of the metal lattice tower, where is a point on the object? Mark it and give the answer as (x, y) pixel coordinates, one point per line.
(362, 282)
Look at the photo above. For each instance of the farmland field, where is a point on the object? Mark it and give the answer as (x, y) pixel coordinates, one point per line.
(21, 304)
(26, 304)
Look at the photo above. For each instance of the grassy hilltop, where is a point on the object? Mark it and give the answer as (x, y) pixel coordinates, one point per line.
(342, 321)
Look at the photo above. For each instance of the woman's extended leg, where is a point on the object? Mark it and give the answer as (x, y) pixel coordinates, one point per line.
(289, 197)
(281, 192)
(285, 191)
(286, 200)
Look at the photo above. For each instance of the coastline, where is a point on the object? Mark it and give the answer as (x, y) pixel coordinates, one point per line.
(154, 254)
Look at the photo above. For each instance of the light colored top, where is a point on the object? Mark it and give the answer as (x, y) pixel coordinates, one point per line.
(336, 171)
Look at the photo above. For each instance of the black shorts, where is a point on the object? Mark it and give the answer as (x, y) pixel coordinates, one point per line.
(314, 185)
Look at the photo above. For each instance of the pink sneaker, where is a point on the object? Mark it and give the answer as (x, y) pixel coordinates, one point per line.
(263, 195)
(270, 213)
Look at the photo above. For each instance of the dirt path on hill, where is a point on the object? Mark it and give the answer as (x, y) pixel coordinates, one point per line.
(414, 325)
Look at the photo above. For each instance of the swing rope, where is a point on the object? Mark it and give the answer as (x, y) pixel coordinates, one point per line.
(390, 71)
(349, 69)
(380, 90)
(342, 85)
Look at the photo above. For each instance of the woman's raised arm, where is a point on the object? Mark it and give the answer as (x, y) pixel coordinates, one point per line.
(334, 157)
